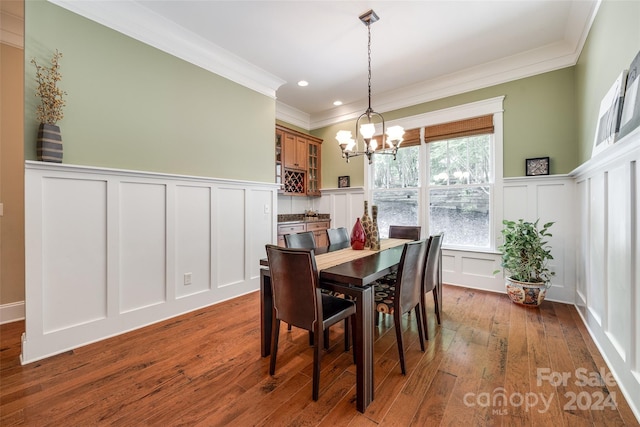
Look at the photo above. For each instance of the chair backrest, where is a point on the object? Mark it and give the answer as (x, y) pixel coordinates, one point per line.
(404, 232)
(337, 235)
(300, 240)
(431, 273)
(410, 275)
(294, 277)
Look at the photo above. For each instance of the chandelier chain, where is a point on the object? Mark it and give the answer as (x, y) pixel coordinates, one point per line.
(369, 58)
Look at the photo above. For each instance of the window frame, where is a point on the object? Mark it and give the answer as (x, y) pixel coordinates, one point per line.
(493, 106)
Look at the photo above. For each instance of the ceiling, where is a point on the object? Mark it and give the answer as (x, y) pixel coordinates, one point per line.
(420, 50)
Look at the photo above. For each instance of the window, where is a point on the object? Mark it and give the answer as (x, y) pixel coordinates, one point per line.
(460, 190)
(396, 187)
(444, 179)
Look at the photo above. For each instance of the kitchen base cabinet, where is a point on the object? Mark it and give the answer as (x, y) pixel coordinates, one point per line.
(319, 229)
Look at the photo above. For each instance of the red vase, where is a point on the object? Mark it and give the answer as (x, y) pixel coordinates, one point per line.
(358, 237)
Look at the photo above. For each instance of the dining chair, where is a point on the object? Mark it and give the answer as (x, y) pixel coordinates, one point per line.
(304, 240)
(298, 301)
(404, 232)
(431, 280)
(396, 232)
(404, 294)
(337, 235)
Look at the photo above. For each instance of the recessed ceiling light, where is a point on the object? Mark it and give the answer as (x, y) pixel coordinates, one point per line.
(337, 103)
(303, 83)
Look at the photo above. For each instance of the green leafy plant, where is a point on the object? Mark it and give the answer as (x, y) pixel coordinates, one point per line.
(525, 251)
(51, 96)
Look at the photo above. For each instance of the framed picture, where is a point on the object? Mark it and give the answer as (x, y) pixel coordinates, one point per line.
(630, 118)
(609, 116)
(537, 166)
(344, 181)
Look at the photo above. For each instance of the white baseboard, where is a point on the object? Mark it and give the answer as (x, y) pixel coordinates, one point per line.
(11, 312)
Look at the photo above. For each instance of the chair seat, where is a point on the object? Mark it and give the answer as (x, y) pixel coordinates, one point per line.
(334, 307)
(384, 295)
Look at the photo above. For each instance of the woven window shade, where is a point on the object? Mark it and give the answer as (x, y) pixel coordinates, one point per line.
(410, 138)
(475, 126)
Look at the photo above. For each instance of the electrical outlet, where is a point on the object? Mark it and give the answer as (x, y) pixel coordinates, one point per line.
(187, 278)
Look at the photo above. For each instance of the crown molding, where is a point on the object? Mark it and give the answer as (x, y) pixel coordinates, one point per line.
(526, 64)
(291, 115)
(139, 23)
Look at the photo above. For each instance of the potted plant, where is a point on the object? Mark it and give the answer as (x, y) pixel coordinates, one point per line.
(49, 112)
(525, 254)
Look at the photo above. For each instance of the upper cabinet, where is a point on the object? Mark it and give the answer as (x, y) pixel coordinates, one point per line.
(297, 162)
(295, 151)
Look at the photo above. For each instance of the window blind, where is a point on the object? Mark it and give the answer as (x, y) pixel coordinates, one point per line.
(410, 138)
(474, 126)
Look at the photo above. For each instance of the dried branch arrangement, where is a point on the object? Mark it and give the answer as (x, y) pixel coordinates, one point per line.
(51, 96)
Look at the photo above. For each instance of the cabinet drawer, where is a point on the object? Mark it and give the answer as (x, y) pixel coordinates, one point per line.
(291, 228)
(320, 225)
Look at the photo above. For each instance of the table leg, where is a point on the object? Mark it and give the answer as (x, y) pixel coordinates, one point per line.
(266, 310)
(364, 347)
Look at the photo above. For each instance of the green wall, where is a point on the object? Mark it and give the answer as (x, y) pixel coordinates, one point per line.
(539, 120)
(613, 42)
(131, 106)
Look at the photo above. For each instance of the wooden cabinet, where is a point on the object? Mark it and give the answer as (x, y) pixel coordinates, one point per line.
(298, 162)
(313, 169)
(295, 152)
(279, 169)
(319, 229)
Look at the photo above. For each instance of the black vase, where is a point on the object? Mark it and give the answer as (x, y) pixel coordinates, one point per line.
(49, 145)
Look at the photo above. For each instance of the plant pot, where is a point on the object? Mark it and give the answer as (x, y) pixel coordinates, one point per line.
(49, 144)
(525, 293)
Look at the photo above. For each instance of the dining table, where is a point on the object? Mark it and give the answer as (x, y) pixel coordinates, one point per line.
(350, 272)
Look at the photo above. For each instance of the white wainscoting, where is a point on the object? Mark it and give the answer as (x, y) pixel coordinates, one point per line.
(608, 256)
(549, 198)
(107, 250)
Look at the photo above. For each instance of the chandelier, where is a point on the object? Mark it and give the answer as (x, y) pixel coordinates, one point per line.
(369, 119)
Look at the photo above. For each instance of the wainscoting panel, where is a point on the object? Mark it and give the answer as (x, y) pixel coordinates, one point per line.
(344, 205)
(262, 226)
(230, 236)
(73, 211)
(107, 250)
(597, 254)
(142, 244)
(608, 185)
(618, 284)
(192, 240)
(582, 247)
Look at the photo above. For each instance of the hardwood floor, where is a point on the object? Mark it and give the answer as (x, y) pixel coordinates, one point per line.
(204, 368)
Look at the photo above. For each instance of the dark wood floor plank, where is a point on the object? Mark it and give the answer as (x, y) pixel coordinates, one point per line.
(204, 369)
(517, 370)
(543, 396)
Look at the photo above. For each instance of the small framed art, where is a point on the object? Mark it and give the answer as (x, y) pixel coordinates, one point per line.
(344, 181)
(537, 166)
